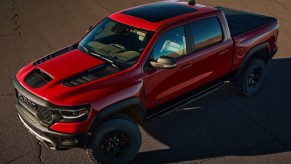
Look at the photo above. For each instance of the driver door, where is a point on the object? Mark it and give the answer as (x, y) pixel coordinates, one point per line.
(162, 85)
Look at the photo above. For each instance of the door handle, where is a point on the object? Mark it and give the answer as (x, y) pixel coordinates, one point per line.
(223, 52)
(186, 66)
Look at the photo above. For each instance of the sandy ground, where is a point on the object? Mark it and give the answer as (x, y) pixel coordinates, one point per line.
(222, 127)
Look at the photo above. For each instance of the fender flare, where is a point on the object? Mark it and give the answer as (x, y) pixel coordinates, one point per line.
(250, 53)
(118, 108)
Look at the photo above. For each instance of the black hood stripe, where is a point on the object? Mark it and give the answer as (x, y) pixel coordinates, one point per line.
(53, 55)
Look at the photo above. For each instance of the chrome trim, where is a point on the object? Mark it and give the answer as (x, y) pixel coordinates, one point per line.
(74, 117)
(38, 136)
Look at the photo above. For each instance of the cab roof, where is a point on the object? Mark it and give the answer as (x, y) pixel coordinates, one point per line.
(156, 12)
(152, 16)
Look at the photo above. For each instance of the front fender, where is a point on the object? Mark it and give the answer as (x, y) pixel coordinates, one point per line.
(116, 108)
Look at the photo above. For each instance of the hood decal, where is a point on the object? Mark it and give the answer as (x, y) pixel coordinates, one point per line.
(69, 64)
(53, 55)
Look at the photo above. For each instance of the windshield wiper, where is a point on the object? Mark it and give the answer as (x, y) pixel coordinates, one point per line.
(102, 57)
(84, 48)
(106, 59)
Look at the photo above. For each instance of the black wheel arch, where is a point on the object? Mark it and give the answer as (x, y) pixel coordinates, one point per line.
(261, 51)
(132, 107)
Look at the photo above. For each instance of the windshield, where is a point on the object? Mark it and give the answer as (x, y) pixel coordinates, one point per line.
(116, 43)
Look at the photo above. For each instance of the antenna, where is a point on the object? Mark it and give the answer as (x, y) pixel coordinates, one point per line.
(192, 3)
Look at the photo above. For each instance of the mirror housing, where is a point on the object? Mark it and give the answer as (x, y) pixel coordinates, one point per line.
(89, 28)
(164, 62)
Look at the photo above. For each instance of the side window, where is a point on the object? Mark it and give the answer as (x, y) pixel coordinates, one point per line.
(205, 33)
(172, 44)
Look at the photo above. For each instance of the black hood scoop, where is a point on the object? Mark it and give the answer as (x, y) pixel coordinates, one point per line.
(37, 78)
(91, 74)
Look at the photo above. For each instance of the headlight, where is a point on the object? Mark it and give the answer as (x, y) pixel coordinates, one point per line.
(71, 115)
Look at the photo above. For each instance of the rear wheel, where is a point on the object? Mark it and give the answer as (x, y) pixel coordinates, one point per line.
(251, 78)
(115, 141)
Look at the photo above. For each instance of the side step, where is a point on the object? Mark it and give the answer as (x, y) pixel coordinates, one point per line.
(181, 101)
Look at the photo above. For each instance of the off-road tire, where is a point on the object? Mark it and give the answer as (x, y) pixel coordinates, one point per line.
(251, 78)
(120, 124)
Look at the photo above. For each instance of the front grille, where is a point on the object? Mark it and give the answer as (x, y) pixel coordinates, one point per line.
(43, 112)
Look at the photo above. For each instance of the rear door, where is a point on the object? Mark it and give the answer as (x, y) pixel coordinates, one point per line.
(202, 53)
(211, 50)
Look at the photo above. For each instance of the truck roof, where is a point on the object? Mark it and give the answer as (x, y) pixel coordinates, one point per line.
(153, 16)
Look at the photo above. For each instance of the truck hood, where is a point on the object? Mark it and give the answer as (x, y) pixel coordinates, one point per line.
(60, 77)
(68, 64)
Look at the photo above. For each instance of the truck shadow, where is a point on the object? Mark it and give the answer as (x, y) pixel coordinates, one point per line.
(226, 124)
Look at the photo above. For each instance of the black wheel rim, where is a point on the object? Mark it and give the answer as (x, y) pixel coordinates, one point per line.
(115, 143)
(255, 78)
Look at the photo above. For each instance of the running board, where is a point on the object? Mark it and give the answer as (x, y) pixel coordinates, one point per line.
(189, 99)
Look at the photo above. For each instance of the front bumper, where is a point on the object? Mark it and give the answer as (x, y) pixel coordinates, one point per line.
(52, 139)
(33, 122)
(44, 139)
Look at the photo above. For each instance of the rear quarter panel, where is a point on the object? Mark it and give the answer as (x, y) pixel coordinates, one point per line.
(246, 41)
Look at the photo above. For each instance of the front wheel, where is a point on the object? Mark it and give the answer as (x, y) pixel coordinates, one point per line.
(115, 141)
(251, 78)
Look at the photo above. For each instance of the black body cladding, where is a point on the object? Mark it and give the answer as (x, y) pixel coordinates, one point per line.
(159, 11)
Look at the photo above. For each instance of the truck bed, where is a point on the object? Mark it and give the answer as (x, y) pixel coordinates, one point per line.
(241, 21)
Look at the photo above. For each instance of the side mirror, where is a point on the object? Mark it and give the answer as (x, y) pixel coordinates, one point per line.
(164, 62)
(89, 28)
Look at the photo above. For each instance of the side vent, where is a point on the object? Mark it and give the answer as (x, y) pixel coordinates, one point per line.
(53, 55)
(90, 75)
(37, 78)
(44, 59)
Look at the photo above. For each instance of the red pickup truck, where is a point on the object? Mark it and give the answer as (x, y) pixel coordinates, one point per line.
(136, 64)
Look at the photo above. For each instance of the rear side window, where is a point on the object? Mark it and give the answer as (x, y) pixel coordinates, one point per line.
(205, 33)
